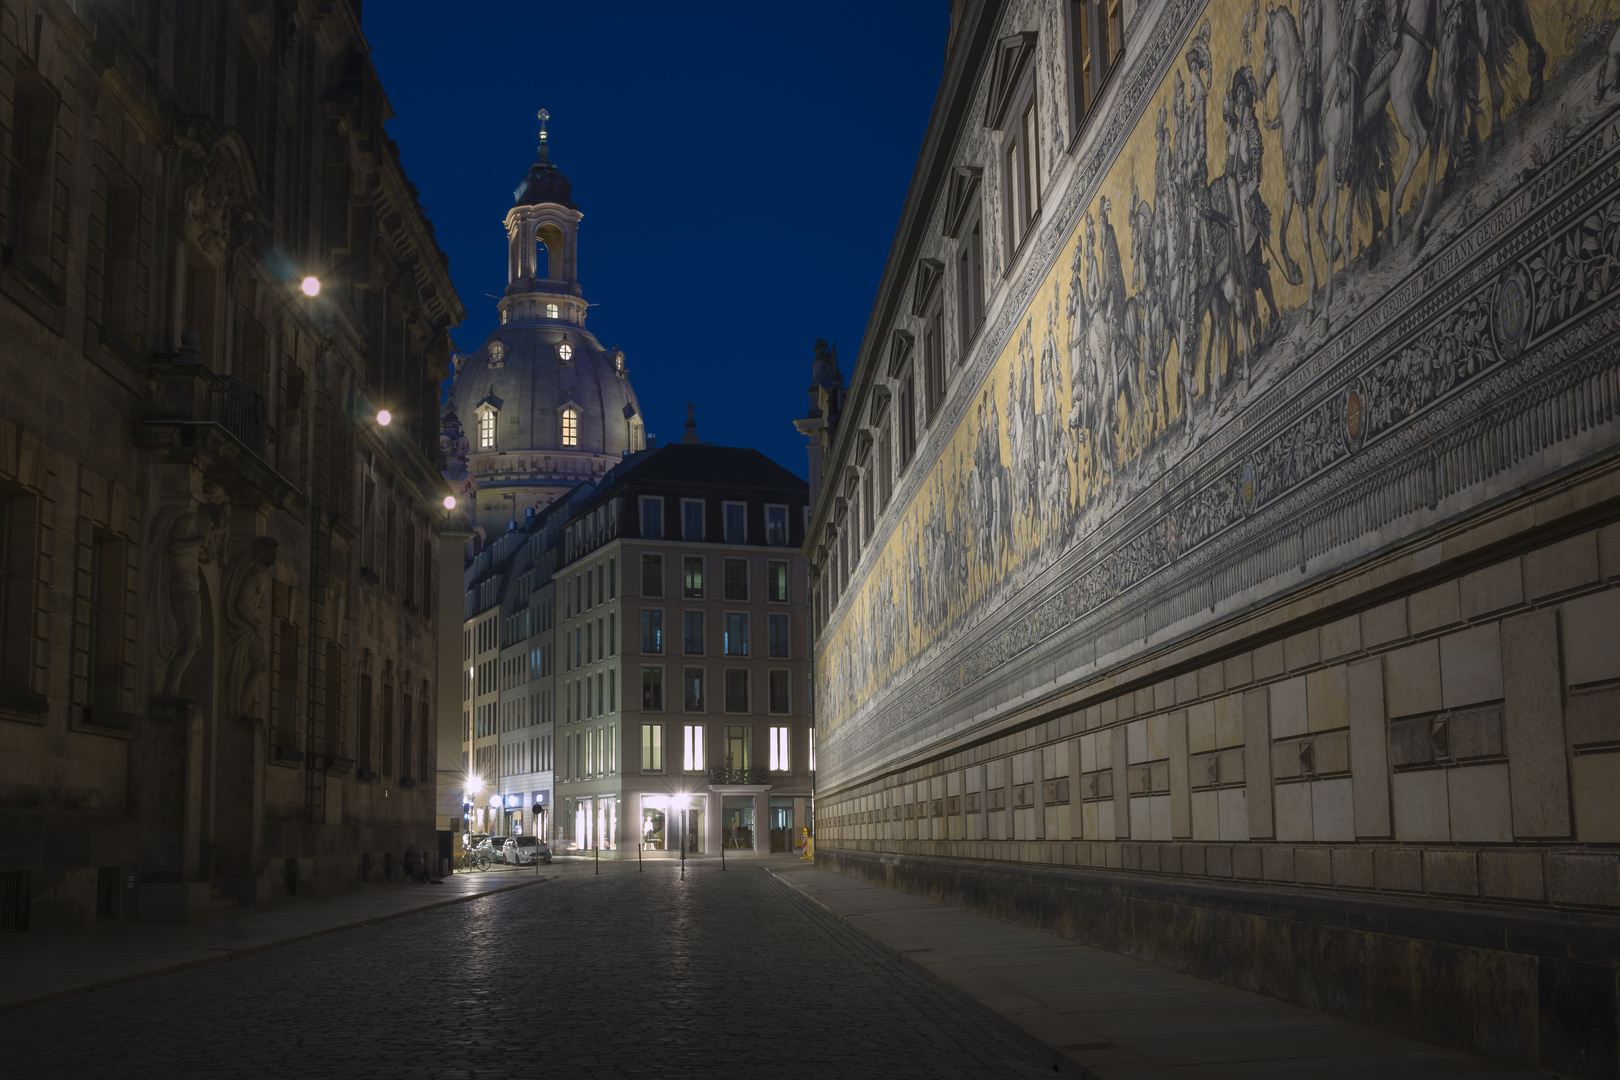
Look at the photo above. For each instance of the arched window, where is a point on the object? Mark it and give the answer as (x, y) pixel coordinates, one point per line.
(551, 311)
(570, 427)
(486, 429)
(542, 260)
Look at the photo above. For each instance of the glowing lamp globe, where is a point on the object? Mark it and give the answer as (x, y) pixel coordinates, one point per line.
(311, 286)
(449, 502)
(384, 417)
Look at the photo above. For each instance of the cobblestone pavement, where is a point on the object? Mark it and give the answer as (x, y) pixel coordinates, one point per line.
(626, 974)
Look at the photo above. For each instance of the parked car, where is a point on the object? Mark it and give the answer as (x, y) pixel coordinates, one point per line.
(470, 841)
(526, 851)
(497, 847)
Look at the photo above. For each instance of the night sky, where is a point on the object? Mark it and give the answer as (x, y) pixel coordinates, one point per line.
(741, 168)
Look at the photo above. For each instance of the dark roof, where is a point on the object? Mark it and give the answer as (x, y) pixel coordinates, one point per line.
(709, 466)
(544, 183)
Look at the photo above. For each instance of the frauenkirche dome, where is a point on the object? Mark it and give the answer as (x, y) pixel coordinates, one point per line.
(541, 406)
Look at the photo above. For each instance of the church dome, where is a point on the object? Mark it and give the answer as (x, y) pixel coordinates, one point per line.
(541, 406)
(544, 183)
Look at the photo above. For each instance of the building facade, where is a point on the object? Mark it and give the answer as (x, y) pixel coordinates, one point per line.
(1216, 552)
(682, 657)
(217, 617)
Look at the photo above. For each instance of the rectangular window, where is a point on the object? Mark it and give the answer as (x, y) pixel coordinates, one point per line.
(736, 633)
(736, 690)
(736, 580)
(776, 525)
(613, 579)
(776, 582)
(739, 745)
(812, 744)
(1095, 39)
(652, 517)
(613, 691)
(652, 630)
(779, 693)
(691, 519)
(781, 740)
(692, 748)
(885, 465)
(905, 403)
(778, 626)
(652, 747)
(613, 634)
(736, 523)
(692, 577)
(692, 690)
(969, 289)
(652, 689)
(33, 201)
(692, 633)
(934, 360)
(652, 575)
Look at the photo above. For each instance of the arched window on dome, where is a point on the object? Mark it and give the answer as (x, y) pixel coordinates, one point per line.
(551, 311)
(486, 428)
(570, 426)
(638, 434)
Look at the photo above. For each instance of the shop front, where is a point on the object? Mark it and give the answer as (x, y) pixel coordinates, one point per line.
(670, 821)
(596, 823)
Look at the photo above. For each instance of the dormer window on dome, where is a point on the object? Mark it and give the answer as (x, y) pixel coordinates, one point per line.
(570, 426)
(565, 350)
(486, 427)
(497, 355)
(551, 311)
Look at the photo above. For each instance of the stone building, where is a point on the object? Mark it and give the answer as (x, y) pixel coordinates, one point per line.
(1235, 591)
(217, 617)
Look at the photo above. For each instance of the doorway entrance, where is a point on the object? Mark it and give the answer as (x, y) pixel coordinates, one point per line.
(782, 835)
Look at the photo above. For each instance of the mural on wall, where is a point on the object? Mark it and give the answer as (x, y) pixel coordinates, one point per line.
(1300, 176)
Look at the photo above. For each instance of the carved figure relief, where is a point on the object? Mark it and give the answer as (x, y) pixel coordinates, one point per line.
(247, 657)
(188, 538)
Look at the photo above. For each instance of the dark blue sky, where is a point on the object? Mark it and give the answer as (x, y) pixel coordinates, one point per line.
(740, 166)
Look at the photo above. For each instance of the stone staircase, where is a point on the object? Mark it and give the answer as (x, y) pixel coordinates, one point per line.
(223, 905)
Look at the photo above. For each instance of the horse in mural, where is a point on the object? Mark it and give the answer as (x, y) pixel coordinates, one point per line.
(1291, 65)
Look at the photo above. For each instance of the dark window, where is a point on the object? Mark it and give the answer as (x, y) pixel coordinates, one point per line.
(736, 523)
(652, 575)
(33, 211)
(934, 360)
(737, 696)
(387, 731)
(692, 689)
(736, 633)
(736, 581)
(779, 692)
(691, 519)
(652, 688)
(776, 582)
(363, 741)
(776, 525)
(778, 627)
(652, 518)
(969, 288)
(906, 405)
(652, 631)
(692, 632)
(885, 465)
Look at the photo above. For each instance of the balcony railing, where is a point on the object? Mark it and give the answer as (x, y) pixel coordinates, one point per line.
(720, 775)
(239, 409)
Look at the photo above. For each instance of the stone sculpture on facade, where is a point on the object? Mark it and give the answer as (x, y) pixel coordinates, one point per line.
(190, 537)
(247, 659)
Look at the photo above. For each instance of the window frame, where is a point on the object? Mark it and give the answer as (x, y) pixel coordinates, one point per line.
(651, 507)
(780, 740)
(725, 520)
(652, 745)
(693, 758)
(687, 592)
(702, 674)
(786, 678)
(748, 695)
(687, 617)
(652, 631)
(726, 594)
(787, 526)
(568, 420)
(726, 636)
(772, 621)
(648, 559)
(787, 581)
(652, 682)
(686, 506)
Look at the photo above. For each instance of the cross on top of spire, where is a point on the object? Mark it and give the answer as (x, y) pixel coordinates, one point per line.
(543, 116)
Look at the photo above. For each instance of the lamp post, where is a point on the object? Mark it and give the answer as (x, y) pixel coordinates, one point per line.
(679, 804)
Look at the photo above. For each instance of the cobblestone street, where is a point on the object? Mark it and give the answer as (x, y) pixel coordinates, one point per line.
(634, 974)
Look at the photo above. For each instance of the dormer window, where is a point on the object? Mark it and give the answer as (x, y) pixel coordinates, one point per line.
(486, 428)
(551, 311)
(565, 351)
(1011, 110)
(497, 354)
(570, 425)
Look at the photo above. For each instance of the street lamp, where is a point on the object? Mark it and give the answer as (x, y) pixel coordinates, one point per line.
(384, 417)
(678, 804)
(311, 286)
(449, 502)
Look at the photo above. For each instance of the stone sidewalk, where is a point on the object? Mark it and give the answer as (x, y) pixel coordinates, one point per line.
(36, 968)
(1098, 1014)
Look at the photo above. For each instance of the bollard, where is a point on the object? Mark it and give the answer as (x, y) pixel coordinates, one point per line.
(598, 851)
(722, 854)
(638, 855)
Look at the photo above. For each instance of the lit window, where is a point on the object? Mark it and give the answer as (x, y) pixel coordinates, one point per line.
(776, 582)
(652, 630)
(565, 350)
(781, 738)
(570, 428)
(551, 313)
(692, 748)
(692, 571)
(486, 429)
(736, 633)
(652, 747)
